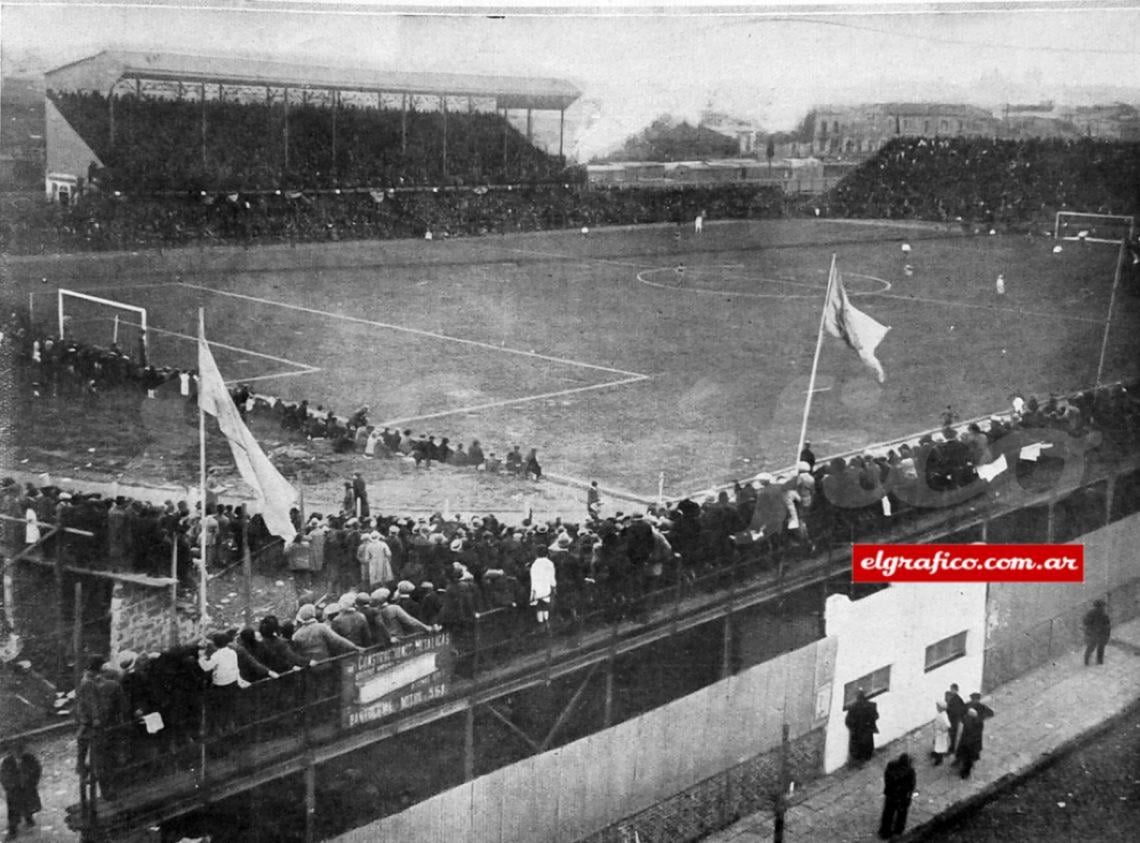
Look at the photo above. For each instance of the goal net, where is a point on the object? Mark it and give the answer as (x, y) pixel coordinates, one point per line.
(1093, 228)
(100, 322)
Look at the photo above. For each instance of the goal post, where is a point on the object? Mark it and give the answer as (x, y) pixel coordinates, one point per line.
(107, 317)
(1093, 228)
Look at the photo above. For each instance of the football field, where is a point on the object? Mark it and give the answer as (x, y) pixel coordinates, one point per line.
(626, 353)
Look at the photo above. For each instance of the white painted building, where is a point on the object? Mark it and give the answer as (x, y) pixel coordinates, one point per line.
(903, 646)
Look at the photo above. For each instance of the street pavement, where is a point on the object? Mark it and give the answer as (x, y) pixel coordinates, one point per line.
(1038, 715)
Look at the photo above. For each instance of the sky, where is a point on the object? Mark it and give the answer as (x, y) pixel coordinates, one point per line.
(765, 63)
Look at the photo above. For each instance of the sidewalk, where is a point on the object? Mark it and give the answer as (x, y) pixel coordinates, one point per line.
(1035, 715)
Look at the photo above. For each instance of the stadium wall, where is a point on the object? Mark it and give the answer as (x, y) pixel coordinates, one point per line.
(141, 619)
(674, 768)
(891, 629)
(1028, 624)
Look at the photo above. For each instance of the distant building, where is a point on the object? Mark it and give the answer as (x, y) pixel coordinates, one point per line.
(747, 136)
(1110, 122)
(860, 130)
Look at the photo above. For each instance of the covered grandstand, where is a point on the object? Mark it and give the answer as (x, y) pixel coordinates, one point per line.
(162, 122)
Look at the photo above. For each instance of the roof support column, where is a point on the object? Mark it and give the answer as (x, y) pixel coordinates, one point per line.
(403, 124)
(529, 125)
(443, 108)
(561, 131)
(111, 117)
(285, 120)
(202, 102)
(335, 104)
(269, 123)
(506, 130)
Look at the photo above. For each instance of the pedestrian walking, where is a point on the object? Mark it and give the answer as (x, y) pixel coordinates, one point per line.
(941, 728)
(1098, 629)
(899, 781)
(861, 725)
(20, 777)
(955, 709)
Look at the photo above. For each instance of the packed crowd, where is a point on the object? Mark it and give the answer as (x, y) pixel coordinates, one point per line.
(403, 578)
(106, 221)
(991, 181)
(158, 145)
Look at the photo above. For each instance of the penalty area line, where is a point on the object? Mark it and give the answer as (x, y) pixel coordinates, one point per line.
(490, 405)
(417, 331)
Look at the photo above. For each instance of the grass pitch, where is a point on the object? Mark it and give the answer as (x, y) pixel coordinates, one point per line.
(630, 352)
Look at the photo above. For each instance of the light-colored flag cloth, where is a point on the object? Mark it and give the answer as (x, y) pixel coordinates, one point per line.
(1032, 453)
(274, 493)
(844, 321)
(991, 470)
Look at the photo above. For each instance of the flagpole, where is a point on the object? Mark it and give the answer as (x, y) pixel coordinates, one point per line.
(1111, 306)
(202, 574)
(815, 361)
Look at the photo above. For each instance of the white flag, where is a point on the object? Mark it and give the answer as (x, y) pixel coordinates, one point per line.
(991, 470)
(844, 321)
(1032, 453)
(274, 493)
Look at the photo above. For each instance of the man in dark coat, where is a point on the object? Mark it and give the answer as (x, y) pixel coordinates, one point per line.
(1098, 629)
(973, 727)
(360, 495)
(955, 709)
(899, 781)
(20, 778)
(861, 719)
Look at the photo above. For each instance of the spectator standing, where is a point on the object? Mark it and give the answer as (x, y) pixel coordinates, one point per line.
(973, 728)
(375, 559)
(351, 624)
(20, 777)
(532, 469)
(861, 726)
(955, 710)
(1098, 629)
(542, 585)
(314, 641)
(359, 496)
(899, 781)
(941, 727)
(593, 501)
(220, 662)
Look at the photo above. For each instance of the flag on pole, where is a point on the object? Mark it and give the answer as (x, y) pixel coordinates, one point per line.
(274, 493)
(844, 321)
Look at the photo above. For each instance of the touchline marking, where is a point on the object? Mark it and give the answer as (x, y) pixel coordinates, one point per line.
(1016, 310)
(418, 332)
(641, 278)
(506, 402)
(302, 368)
(582, 258)
(306, 371)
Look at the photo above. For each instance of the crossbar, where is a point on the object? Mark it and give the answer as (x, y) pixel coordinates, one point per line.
(62, 293)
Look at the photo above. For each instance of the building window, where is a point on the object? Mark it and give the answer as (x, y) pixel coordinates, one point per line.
(873, 684)
(945, 651)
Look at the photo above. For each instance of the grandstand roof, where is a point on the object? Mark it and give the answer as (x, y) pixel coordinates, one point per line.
(101, 71)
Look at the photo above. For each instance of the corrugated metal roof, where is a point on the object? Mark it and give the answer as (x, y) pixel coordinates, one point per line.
(101, 71)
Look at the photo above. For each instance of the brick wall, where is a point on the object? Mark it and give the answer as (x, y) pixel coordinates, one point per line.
(721, 800)
(140, 619)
